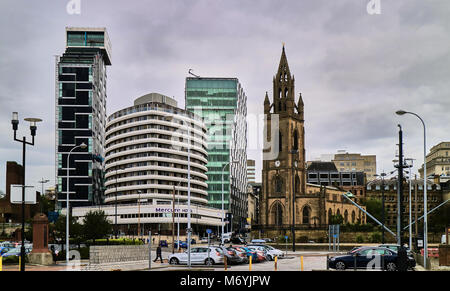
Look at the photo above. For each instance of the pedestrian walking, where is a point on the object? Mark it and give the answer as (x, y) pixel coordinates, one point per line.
(158, 254)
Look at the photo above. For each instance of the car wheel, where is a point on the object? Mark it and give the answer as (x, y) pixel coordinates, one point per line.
(269, 258)
(391, 266)
(209, 262)
(174, 261)
(340, 266)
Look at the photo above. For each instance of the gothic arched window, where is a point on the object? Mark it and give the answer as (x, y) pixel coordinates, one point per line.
(330, 214)
(297, 184)
(278, 184)
(295, 140)
(280, 141)
(306, 214)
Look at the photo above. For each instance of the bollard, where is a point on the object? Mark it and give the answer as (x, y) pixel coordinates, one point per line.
(275, 262)
(328, 261)
(382, 262)
(225, 262)
(1, 263)
(20, 258)
(250, 264)
(301, 262)
(354, 262)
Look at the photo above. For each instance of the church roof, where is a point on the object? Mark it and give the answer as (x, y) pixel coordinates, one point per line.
(322, 167)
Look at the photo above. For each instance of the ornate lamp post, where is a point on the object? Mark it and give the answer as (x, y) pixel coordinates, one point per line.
(15, 125)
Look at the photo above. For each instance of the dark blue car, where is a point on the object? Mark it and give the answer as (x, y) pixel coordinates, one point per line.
(369, 258)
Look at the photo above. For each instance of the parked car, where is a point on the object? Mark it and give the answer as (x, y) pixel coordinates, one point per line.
(182, 244)
(232, 256)
(260, 252)
(267, 240)
(204, 240)
(199, 255)
(12, 252)
(249, 253)
(238, 240)
(258, 241)
(354, 249)
(271, 251)
(3, 250)
(395, 248)
(364, 256)
(240, 253)
(163, 243)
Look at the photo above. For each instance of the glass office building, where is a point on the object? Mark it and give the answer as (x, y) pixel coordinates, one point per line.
(222, 104)
(80, 109)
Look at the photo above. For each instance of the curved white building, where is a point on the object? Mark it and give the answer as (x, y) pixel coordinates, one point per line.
(146, 156)
(147, 169)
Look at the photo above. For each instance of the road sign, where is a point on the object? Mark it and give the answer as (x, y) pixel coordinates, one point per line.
(208, 231)
(16, 194)
(286, 237)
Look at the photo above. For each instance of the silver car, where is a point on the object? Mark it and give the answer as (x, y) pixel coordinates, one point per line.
(199, 255)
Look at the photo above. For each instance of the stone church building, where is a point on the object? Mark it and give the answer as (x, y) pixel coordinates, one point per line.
(284, 187)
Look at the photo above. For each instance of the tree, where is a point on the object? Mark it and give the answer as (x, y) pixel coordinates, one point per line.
(336, 219)
(96, 225)
(439, 219)
(58, 230)
(375, 208)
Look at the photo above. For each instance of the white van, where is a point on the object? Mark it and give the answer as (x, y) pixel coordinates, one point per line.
(444, 239)
(227, 237)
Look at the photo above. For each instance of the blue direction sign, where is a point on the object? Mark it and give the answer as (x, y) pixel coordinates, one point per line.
(286, 237)
(209, 231)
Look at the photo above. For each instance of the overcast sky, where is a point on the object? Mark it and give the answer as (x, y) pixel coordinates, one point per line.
(354, 69)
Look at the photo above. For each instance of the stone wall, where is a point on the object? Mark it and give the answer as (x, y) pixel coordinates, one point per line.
(113, 254)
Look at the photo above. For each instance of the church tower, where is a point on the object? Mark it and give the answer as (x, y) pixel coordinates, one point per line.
(283, 173)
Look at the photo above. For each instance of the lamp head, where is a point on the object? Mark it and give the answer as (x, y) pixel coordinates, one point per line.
(33, 122)
(83, 145)
(400, 112)
(15, 120)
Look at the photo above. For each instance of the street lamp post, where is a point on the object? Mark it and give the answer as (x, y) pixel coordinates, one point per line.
(425, 220)
(82, 146)
(410, 213)
(15, 125)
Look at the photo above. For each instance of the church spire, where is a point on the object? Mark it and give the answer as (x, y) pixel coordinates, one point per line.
(283, 87)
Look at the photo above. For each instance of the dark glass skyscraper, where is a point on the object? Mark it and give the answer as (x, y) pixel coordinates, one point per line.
(222, 104)
(81, 115)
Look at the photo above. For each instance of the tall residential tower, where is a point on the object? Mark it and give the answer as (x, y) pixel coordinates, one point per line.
(80, 79)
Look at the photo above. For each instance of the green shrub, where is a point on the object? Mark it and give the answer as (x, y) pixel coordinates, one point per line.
(302, 239)
(359, 239)
(375, 237)
(12, 260)
(84, 254)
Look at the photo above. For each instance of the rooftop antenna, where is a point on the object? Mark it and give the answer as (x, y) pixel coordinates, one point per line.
(190, 73)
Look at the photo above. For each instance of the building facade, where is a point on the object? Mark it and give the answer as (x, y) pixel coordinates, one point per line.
(251, 171)
(80, 89)
(285, 193)
(438, 162)
(326, 174)
(222, 104)
(389, 188)
(9, 212)
(155, 158)
(347, 162)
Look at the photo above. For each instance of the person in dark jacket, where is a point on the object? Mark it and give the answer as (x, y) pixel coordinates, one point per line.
(158, 254)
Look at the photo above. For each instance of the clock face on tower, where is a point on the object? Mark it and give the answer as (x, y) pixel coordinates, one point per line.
(277, 164)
